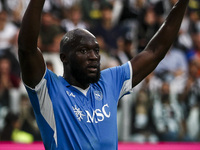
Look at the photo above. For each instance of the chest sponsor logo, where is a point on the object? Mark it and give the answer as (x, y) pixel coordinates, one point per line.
(96, 116)
(98, 95)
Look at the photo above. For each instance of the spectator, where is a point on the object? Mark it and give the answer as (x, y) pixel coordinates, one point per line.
(167, 115)
(151, 84)
(16, 9)
(107, 60)
(59, 7)
(148, 26)
(190, 100)
(12, 132)
(27, 118)
(162, 8)
(7, 81)
(125, 50)
(194, 52)
(132, 9)
(183, 40)
(7, 32)
(174, 64)
(53, 54)
(106, 30)
(73, 19)
(91, 11)
(173, 69)
(142, 124)
(50, 29)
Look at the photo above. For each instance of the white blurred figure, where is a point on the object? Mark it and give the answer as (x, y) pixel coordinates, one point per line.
(173, 69)
(167, 115)
(17, 9)
(73, 19)
(7, 31)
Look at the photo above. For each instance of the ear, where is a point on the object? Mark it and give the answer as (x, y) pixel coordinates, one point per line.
(63, 57)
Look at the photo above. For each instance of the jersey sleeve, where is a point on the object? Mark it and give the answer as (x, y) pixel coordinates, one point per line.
(43, 107)
(39, 90)
(119, 79)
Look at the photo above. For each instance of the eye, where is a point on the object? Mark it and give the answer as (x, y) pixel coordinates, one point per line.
(97, 50)
(83, 51)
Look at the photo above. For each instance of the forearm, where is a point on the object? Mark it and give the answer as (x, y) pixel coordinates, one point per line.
(30, 58)
(167, 33)
(30, 27)
(158, 46)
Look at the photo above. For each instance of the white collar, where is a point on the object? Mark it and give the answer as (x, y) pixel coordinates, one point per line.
(84, 91)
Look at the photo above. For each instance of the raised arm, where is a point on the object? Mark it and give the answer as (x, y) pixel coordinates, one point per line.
(31, 59)
(146, 61)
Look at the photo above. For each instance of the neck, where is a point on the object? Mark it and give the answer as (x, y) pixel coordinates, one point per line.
(72, 81)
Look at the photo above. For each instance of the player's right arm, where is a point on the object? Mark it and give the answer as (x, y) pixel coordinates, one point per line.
(31, 60)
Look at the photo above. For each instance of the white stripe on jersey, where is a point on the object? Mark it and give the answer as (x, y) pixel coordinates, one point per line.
(46, 106)
(127, 86)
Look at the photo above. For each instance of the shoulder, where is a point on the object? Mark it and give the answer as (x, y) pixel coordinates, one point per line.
(48, 78)
(122, 72)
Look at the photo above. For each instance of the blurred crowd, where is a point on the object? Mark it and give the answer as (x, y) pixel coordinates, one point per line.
(165, 106)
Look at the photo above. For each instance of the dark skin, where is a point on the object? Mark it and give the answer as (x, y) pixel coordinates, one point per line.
(33, 65)
(84, 57)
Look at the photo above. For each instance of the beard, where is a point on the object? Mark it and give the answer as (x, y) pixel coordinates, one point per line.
(82, 77)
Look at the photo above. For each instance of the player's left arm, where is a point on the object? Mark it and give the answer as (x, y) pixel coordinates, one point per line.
(146, 61)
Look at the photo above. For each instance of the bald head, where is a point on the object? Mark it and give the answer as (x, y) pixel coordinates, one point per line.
(72, 38)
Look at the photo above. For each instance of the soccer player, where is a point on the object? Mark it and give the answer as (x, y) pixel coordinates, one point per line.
(79, 109)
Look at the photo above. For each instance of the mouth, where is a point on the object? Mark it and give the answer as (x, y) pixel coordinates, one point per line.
(93, 68)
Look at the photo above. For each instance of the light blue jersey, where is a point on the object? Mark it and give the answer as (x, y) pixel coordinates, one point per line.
(69, 120)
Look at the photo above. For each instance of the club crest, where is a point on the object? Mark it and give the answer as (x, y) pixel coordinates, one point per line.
(98, 95)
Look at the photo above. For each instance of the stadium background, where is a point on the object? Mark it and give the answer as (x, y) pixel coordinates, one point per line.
(163, 108)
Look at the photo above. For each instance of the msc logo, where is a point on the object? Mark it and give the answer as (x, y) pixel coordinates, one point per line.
(97, 115)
